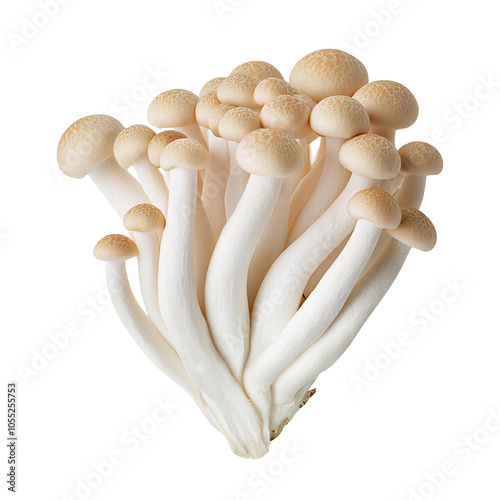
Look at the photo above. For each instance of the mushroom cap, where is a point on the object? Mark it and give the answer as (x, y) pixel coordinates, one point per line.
(159, 141)
(420, 158)
(86, 144)
(285, 112)
(328, 72)
(340, 116)
(270, 153)
(144, 218)
(238, 89)
(238, 123)
(371, 156)
(415, 230)
(377, 206)
(115, 247)
(174, 108)
(131, 143)
(389, 104)
(186, 153)
(216, 116)
(211, 86)
(205, 107)
(270, 88)
(259, 69)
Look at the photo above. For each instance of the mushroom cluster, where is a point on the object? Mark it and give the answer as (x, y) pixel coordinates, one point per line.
(268, 219)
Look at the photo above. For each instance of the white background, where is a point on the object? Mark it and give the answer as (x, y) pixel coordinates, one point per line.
(379, 442)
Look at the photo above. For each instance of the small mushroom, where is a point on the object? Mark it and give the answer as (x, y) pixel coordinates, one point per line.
(270, 88)
(211, 86)
(258, 69)
(238, 89)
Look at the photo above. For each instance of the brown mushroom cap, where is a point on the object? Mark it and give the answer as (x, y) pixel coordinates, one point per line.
(115, 247)
(328, 72)
(131, 143)
(205, 108)
(285, 112)
(238, 89)
(216, 115)
(174, 108)
(377, 206)
(371, 156)
(211, 86)
(389, 104)
(86, 144)
(415, 230)
(144, 218)
(270, 88)
(340, 116)
(238, 123)
(420, 158)
(158, 143)
(186, 153)
(258, 69)
(270, 153)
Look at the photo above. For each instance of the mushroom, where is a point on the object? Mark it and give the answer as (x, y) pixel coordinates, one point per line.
(374, 210)
(258, 69)
(369, 158)
(391, 107)
(211, 86)
(337, 118)
(271, 88)
(415, 230)
(131, 148)
(86, 148)
(238, 89)
(269, 156)
(328, 72)
(176, 109)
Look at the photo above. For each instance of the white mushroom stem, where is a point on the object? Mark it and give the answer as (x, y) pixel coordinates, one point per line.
(236, 183)
(193, 132)
(306, 151)
(179, 304)
(314, 317)
(388, 133)
(152, 182)
(214, 184)
(226, 286)
(119, 187)
(145, 335)
(412, 190)
(331, 183)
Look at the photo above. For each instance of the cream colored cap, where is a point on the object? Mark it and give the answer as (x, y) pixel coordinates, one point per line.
(377, 206)
(211, 86)
(389, 104)
(158, 143)
(238, 123)
(174, 108)
(131, 143)
(238, 89)
(205, 108)
(370, 156)
(270, 88)
(420, 158)
(285, 112)
(259, 69)
(115, 247)
(144, 218)
(340, 116)
(416, 230)
(328, 72)
(270, 153)
(216, 116)
(186, 153)
(86, 144)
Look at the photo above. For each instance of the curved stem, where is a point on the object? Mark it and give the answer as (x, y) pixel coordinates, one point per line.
(153, 183)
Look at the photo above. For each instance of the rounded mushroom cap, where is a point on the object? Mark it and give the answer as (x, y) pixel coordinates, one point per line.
(259, 69)
(205, 107)
(420, 158)
(415, 230)
(340, 116)
(216, 116)
(86, 144)
(389, 104)
(131, 143)
(238, 89)
(270, 153)
(370, 156)
(328, 72)
(115, 247)
(174, 108)
(270, 88)
(158, 143)
(144, 218)
(186, 153)
(377, 206)
(238, 123)
(211, 86)
(285, 112)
